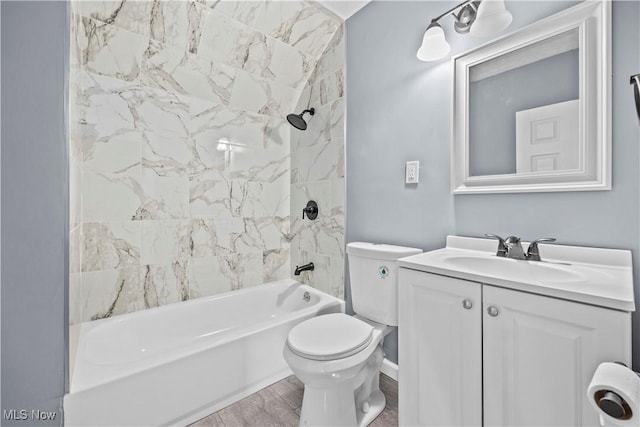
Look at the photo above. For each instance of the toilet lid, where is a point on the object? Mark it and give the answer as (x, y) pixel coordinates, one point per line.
(329, 337)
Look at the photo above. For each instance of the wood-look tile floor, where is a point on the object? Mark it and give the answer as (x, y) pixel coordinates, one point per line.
(279, 405)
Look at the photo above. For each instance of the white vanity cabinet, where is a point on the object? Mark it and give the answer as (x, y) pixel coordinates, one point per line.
(440, 350)
(539, 354)
(476, 354)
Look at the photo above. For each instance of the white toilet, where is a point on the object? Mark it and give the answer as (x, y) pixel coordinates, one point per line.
(338, 357)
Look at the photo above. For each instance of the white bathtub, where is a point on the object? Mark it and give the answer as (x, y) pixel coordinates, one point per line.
(175, 364)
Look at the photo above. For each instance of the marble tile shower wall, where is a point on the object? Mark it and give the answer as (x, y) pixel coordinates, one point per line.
(317, 173)
(181, 157)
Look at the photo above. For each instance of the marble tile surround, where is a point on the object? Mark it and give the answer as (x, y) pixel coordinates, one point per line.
(161, 211)
(317, 173)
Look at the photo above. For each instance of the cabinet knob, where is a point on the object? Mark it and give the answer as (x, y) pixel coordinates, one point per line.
(493, 311)
(466, 304)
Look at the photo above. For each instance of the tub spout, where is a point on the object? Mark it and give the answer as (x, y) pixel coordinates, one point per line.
(302, 268)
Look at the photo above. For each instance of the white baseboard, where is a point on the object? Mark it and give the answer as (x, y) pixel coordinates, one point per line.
(390, 369)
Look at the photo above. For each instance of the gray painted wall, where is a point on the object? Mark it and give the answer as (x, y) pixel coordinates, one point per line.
(398, 109)
(34, 207)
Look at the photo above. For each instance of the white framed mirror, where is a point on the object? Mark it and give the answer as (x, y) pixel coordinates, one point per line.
(532, 110)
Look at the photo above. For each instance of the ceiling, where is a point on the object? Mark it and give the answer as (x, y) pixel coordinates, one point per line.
(344, 8)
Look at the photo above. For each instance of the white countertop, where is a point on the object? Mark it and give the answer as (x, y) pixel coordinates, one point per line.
(603, 277)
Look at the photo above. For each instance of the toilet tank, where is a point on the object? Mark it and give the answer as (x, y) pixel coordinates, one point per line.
(373, 272)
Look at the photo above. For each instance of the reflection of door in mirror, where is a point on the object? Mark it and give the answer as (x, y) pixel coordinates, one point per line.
(536, 76)
(547, 138)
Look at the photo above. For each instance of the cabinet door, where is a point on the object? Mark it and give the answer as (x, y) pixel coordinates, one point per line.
(439, 350)
(540, 353)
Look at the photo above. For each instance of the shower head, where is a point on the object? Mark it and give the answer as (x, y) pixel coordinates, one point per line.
(297, 121)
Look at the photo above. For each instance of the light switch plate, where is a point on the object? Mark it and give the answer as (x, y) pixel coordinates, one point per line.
(412, 172)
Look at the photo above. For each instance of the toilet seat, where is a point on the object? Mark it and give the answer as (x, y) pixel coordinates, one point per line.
(330, 337)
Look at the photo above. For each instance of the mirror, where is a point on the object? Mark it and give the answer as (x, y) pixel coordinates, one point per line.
(532, 109)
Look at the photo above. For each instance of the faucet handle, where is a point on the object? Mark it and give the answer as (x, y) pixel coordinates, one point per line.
(533, 253)
(502, 248)
(311, 210)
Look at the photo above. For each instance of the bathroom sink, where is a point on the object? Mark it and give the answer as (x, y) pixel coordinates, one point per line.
(596, 276)
(536, 270)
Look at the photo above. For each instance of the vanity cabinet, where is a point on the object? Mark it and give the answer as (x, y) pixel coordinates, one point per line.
(477, 354)
(440, 350)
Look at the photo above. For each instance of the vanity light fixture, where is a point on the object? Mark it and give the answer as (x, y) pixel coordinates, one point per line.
(434, 45)
(492, 17)
(479, 17)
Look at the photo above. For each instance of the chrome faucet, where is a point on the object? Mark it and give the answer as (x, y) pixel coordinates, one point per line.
(511, 247)
(514, 248)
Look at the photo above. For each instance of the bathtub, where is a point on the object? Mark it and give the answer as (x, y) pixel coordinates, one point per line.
(175, 364)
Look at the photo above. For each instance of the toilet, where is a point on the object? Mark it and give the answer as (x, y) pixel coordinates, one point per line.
(337, 356)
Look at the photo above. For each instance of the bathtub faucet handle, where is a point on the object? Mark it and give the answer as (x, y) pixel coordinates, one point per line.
(311, 210)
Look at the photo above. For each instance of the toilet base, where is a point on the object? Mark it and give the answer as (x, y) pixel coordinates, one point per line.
(377, 403)
(339, 409)
(341, 403)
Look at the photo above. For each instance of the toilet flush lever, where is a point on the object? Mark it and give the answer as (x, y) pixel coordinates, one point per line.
(311, 210)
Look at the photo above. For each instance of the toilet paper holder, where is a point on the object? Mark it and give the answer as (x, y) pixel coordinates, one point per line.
(612, 404)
